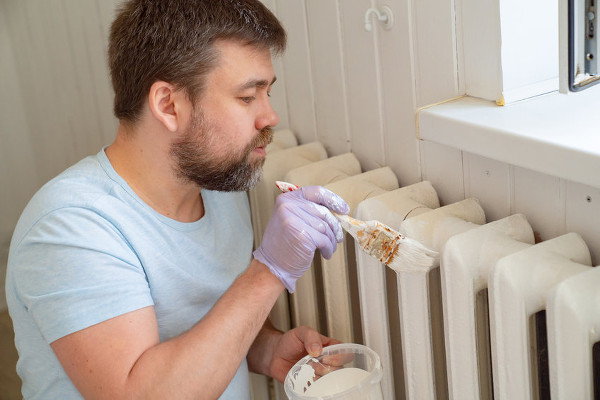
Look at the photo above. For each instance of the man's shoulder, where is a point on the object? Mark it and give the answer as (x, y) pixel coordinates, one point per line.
(80, 186)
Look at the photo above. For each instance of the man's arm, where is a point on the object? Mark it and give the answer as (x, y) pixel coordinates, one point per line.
(122, 357)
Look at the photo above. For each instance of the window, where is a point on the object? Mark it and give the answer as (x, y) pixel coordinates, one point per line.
(583, 44)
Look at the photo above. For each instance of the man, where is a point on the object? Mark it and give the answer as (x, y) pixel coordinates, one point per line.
(130, 274)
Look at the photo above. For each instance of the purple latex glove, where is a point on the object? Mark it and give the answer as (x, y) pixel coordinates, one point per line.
(300, 224)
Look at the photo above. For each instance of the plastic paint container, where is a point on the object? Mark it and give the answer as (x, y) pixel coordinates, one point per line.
(343, 371)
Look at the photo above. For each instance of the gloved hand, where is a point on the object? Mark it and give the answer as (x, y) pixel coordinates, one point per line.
(300, 224)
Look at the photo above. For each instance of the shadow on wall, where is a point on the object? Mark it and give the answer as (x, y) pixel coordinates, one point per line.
(10, 384)
(4, 245)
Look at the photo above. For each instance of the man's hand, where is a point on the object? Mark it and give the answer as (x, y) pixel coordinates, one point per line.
(292, 346)
(301, 223)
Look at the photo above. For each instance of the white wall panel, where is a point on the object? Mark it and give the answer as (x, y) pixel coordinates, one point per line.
(85, 105)
(583, 215)
(442, 166)
(33, 64)
(18, 174)
(436, 69)
(397, 87)
(328, 75)
(297, 69)
(63, 135)
(99, 18)
(363, 90)
(489, 181)
(67, 78)
(542, 199)
(278, 91)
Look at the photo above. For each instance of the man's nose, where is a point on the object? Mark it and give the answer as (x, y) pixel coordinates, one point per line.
(268, 117)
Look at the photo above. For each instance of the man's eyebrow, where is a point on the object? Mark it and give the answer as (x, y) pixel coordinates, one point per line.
(257, 83)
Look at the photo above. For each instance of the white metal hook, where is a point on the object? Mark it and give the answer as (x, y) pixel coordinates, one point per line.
(385, 16)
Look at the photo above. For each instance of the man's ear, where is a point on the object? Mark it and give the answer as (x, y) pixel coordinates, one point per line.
(165, 102)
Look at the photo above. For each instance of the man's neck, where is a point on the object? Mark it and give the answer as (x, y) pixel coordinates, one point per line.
(142, 159)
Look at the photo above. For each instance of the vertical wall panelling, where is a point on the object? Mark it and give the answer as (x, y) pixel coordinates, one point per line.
(442, 166)
(278, 91)
(541, 198)
(31, 53)
(459, 31)
(434, 50)
(16, 157)
(105, 10)
(83, 104)
(328, 75)
(583, 215)
(60, 83)
(296, 67)
(397, 109)
(98, 16)
(62, 88)
(489, 182)
(362, 83)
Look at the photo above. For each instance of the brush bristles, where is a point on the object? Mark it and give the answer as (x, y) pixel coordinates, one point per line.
(390, 247)
(411, 255)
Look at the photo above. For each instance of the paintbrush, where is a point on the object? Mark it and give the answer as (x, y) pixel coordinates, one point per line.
(382, 242)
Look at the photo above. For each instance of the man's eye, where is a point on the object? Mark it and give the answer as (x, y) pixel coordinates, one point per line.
(247, 100)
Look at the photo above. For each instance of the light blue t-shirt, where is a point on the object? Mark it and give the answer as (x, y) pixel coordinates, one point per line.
(87, 249)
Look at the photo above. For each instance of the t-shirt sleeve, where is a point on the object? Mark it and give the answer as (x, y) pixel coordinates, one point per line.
(74, 269)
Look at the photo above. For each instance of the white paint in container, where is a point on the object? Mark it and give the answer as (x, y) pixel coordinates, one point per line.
(344, 371)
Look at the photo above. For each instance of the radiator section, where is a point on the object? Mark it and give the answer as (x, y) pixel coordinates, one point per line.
(339, 272)
(497, 316)
(519, 287)
(573, 331)
(374, 279)
(305, 303)
(465, 268)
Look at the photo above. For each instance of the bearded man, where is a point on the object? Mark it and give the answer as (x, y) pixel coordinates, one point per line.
(131, 274)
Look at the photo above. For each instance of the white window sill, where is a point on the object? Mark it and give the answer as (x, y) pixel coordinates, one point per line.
(556, 134)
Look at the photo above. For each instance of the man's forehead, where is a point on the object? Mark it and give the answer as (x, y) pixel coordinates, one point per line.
(247, 65)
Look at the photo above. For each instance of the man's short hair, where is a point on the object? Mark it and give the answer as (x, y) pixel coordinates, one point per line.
(173, 41)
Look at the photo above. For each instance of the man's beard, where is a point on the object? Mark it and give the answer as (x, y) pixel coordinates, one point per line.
(195, 163)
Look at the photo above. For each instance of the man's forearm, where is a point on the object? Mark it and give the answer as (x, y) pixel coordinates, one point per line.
(121, 358)
(208, 355)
